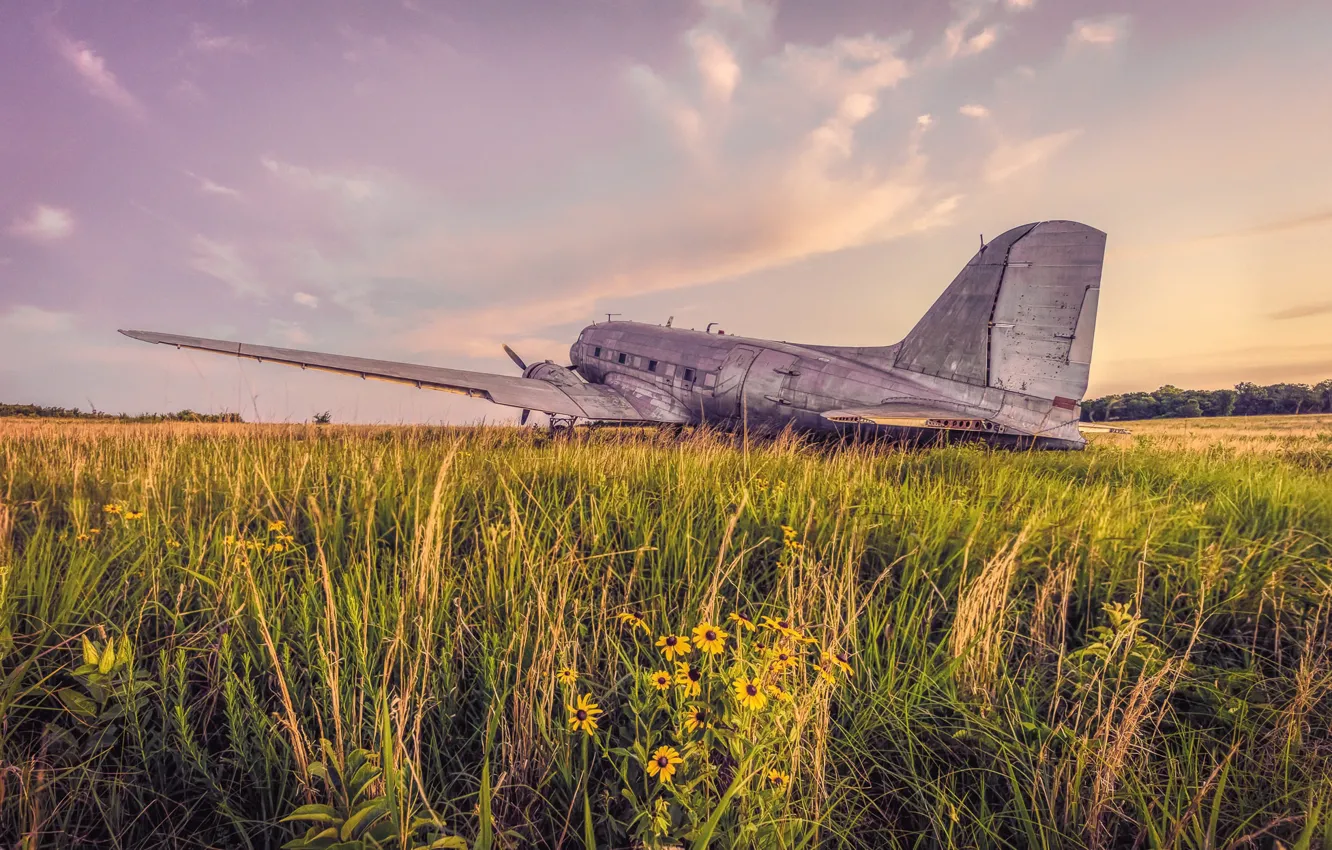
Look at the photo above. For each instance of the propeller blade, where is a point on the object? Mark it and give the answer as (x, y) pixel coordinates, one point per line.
(522, 420)
(515, 358)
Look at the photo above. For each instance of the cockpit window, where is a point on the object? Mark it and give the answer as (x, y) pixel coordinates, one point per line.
(596, 352)
(652, 365)
(622, 356)
(689, 374)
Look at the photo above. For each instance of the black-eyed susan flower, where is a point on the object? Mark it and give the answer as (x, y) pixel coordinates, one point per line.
(839, 661)
(709, 638)
(784, 628)
(749, 693)
(173, 543)
(781, 659)
(689, 678)
(566, 676)
(583, 714)
(777, 692)
(660, 679)
(696, 717)
(632, 620)
(111, 509)
(779, 778)
(277, 525)
(133, 515)
(741, 621)
(673, 645)
(663, 762)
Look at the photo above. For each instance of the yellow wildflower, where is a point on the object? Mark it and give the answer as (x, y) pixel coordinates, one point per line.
(696, 718)
(840, 661)
(663, 762)
(583, 714)
(661, 680)
(673, 645)
(276, 525)
(777, 692)
(689, 678)
(749, 693)
(632, 620)
(111, 509)
(134, 515)
(742, 621)
(709, 638)
(566, 676)
(779, 778)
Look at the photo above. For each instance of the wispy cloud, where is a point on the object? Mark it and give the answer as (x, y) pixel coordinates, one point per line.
(25, 318)
(224, 262)
(92, 68)
(205, 40)
(1010, 158)
(974, 110)
(43, 224)
(208, 187)
(1103, 31)
(1302, 311)
(305, 299)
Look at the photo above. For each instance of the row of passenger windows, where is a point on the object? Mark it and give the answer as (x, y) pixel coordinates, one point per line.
(652, 365)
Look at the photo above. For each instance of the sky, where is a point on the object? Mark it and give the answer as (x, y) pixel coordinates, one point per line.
(424, 180)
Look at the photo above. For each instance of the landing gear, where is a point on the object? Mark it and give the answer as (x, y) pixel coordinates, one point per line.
(561, 425)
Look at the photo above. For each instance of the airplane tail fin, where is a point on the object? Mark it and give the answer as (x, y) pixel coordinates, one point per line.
(1020, 316)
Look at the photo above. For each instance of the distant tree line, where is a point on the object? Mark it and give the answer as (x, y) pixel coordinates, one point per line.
(37, 411)
(1246, 399)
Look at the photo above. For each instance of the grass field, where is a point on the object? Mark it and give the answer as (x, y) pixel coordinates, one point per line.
(1122, 647)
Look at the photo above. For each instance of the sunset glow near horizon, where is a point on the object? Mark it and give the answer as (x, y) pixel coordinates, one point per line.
(423, 181)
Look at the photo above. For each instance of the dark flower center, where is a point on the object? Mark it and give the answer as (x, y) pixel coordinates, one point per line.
(842, 657)
(670, 641)
(581, 715)
(694, 675)
(751, 690)
(783, 657)
(662, 680)
(663, 761)
(699, 714)
(710, 635)
(784, 624)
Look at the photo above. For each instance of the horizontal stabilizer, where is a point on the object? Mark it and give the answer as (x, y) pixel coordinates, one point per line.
(1096, 428)
(915, 415)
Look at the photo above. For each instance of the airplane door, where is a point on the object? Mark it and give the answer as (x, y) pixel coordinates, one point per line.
(731, 380)
(769, 400)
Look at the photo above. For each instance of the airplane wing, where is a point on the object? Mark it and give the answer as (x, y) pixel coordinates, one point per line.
(910, 414)
(571, 398)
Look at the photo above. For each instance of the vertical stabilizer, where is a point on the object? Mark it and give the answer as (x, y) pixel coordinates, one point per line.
(1020, 316)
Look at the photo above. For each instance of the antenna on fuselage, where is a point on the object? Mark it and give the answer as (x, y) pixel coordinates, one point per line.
(709, 328)
(669, 319)
(608, 316)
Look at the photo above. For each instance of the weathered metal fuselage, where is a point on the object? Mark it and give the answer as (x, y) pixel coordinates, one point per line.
(673, 374)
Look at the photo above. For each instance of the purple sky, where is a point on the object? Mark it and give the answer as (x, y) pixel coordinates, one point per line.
(424, 180)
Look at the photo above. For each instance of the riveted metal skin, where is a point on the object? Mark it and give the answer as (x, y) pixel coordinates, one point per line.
(1002, 355)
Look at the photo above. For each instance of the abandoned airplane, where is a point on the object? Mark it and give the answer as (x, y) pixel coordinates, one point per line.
(1003, 355)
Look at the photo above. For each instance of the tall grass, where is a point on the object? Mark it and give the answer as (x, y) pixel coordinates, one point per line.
(1122, 647)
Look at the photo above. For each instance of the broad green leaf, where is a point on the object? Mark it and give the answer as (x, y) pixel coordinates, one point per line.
(89, 652)
(315, 812)
(363, 777)
(449, 842)
(363, 818)
(108, 657)
(76, 702)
